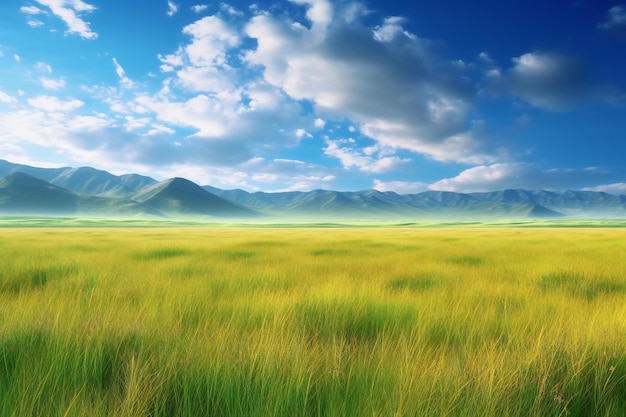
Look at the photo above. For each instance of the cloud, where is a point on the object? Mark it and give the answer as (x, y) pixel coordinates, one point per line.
(51, 84)
(5, 98)
(141, 145)
(211, 38)
(391, 83)
(199, 8)
(514, 175)
(43, 67)
(31, 10)
(615, 19)
(69, 11)
(286, 174)
(34, 23)
(370, 160)
(227, 8)
(547, 80)
(172, 8)
(17, 58)
(124, 80)
(401, 187)
(618, 188)
(54, 104)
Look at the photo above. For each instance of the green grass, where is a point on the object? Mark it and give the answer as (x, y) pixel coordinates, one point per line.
(360, 321)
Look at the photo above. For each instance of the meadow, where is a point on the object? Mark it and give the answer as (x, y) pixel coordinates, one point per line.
(267, 321)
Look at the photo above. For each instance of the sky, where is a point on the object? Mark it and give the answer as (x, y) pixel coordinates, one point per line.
(296, 95)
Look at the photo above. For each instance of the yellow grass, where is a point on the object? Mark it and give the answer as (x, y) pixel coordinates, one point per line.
(312, 322)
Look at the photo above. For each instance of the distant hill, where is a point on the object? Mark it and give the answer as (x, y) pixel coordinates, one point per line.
(23, 194)
(87, 191)
(85, 180)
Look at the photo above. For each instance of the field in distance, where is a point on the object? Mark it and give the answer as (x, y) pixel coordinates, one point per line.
(211, 321)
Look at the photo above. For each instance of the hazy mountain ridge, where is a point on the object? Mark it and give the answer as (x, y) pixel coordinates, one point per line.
(21, 193)
(88, 191)
(84, 180)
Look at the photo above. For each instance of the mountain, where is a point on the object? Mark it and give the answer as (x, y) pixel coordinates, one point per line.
(87, 191)
(178, 196)
(91, 181)
(23, 194)
(84, 180)
(372, 204)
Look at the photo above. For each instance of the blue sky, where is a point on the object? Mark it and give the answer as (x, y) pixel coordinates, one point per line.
(334, 94)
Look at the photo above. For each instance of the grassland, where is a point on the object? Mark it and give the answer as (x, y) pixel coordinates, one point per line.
(312, 322)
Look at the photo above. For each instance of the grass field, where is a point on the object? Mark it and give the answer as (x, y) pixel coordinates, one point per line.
(312, 322)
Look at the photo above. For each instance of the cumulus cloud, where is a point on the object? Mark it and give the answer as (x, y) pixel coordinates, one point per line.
(548, 80)
(199, 8)
(385, 79)
(70, 12)
(54, 104)
(286, 174)
(369, 160)
(52, 84)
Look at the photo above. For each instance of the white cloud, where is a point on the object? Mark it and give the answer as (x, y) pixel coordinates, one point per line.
(43, 67)
(320, 123)
(199, 8)
(227, 8)
(515, 175)
(172, 8)
(54, 104)
(33, 23)
(364, 161)
(124, 80)
(5, 98)
(301, 133)
(391, 30)
(31, 10)
(618, 188)
(319, 12)
(17, 58)
(211, 38)
(69, 11)
(401, 187)
(285, 175)
(386, 80)
(50, 84)
(615, 18)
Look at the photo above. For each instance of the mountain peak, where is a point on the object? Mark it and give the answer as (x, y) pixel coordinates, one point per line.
(177, 195)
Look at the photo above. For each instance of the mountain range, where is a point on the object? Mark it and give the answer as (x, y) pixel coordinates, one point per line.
(86, 191)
